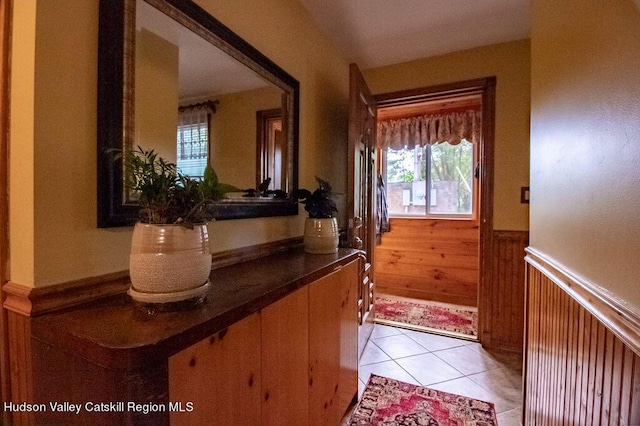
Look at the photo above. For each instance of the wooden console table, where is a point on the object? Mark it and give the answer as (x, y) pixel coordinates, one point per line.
(275, 341)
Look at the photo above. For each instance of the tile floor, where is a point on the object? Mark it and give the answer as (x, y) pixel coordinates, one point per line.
(447, 364)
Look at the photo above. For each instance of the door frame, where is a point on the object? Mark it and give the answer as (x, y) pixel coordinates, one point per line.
(486, 87)
(362, 118)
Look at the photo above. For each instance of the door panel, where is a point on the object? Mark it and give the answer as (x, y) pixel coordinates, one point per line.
(361, 193)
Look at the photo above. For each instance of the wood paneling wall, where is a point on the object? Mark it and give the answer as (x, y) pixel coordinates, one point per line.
(581, 360)
(502, 316)
(19, 348)
(430, 259)
(435, 259)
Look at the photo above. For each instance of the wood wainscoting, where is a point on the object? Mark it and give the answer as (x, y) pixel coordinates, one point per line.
(582, 357)
(502, 314)
(430, 259)
(438, 260)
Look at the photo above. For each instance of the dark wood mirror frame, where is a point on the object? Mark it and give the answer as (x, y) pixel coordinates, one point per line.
(115, 106)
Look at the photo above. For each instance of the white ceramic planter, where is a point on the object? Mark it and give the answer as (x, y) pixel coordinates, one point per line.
(321, 236)
(169, 263)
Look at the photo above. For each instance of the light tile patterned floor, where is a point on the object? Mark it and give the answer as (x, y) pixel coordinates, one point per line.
(447, 364)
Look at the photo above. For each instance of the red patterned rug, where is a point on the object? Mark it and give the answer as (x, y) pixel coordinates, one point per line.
(427, 316)
(390, 402)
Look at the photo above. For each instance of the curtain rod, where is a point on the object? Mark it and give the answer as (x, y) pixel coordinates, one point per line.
(206, 104)
(434, 112)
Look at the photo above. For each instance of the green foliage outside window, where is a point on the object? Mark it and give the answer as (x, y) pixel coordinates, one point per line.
(450, 165)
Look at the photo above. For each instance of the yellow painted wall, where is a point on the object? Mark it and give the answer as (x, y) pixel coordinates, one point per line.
(156, 94)
(53, 237)
(233, 142)
(53, 230)
(585, 140)
(284, 32)
(510, 63)
(21, 194)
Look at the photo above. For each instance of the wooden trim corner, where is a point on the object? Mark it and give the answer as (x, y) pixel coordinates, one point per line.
(36, 301)
(5, 73)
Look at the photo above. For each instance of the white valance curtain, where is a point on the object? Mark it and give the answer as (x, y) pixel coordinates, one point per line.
(430, 129)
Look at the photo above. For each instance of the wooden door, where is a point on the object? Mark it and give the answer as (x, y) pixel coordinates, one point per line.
(361, 186)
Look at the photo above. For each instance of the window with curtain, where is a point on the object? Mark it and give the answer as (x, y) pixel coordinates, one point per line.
(192, 152)
(430, 164)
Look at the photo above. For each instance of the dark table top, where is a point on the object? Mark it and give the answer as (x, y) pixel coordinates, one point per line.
(117, 333)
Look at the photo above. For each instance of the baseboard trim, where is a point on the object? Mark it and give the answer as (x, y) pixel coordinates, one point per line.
(615, 314)
(31, 302)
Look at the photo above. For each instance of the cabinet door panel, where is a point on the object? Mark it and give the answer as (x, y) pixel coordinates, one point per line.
(285, 360)
(333, 345)
(220, 375)
(348, 336)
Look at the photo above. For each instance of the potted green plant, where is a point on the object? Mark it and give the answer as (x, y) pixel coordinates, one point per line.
(170, 259)
(321, 234)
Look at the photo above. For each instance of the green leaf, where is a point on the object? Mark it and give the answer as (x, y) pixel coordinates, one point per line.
(209, 182)
(210, 177)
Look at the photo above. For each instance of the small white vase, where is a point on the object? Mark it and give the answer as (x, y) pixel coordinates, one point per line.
(321, 236)
(169, 263)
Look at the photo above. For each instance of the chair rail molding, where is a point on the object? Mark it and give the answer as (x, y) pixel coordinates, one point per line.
(582, 361)
(616, 314)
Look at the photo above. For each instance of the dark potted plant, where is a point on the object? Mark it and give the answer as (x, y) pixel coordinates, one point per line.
(321, 234)
(263, 191)
(170, 259)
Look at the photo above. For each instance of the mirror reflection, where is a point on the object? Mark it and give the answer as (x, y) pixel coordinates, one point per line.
(271, 153)
(174, 79)
(195, 104)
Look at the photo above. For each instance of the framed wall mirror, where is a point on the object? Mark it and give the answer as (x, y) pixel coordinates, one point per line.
(174, 79)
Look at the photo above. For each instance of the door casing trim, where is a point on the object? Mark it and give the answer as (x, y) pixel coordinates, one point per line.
(486, 87)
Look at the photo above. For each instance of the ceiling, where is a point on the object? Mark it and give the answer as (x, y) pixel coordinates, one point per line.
(202, 67)
(375, 33)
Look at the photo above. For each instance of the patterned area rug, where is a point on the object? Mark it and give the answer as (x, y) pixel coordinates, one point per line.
(390, 402)
(427, 316)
